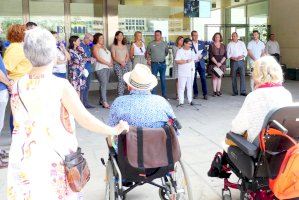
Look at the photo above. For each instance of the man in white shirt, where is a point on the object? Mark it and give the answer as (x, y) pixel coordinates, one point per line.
(272, 47)
(236, 52)
(185, 58)
(256, 49)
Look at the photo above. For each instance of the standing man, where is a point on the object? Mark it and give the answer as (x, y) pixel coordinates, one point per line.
(236, 52)
(86, 45)
(272, 47)
(198, 46)
(256, 49)
(157, 51)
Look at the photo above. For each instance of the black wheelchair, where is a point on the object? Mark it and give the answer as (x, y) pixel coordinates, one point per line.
(122, 176)
(255, 165)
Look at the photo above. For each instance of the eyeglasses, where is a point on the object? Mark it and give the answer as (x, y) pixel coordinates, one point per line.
(141, 49)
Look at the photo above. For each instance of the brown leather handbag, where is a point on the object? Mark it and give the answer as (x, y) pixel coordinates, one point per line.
(152, 147)
(77, 170)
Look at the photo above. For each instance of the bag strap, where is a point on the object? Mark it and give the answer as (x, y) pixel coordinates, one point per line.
(169, 145)
(140, 147)
(272, 131)
(22, 102)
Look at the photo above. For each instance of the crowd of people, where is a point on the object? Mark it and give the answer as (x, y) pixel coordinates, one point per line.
(36, 61)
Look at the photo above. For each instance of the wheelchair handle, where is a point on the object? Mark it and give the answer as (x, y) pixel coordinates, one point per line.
(177, 124)
(279, 126)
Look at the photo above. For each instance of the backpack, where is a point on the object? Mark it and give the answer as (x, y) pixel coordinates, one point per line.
(285, 183)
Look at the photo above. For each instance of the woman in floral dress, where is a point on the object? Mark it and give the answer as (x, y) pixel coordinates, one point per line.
(77, 64)
(43, 107)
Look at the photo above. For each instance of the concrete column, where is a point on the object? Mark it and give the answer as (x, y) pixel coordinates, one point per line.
(283, 18)
(110, 14)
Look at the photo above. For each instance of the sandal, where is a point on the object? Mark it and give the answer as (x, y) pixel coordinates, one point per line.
(106, 105)
(3, 164)
(3, 154)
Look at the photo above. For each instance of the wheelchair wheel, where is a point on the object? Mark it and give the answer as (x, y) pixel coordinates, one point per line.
(111, 187)
(178, 185)
(226, 197)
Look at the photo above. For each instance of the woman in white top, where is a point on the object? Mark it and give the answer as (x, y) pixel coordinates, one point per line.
(63, 57)
(44, 108)
(185, 58)
(178, 44)
(268, 95)
(137, 51)
(102, 66)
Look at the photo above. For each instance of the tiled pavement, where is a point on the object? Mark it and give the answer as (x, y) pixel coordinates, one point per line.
(204, 128)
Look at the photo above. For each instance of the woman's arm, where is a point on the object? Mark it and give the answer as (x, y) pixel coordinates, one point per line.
(132, 51)
(4, 79)
(97, 57)
(72, 103)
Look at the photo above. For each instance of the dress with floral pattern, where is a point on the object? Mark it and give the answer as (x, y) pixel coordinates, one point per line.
(39, 138)
(76, 68)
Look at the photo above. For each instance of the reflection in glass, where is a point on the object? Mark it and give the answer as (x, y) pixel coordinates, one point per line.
(86, 18)
(49, 15)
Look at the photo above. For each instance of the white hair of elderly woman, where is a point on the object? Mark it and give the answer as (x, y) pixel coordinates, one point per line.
(40, 47)
(267, 70)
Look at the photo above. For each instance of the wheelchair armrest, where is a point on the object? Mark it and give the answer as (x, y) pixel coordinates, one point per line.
(247, 147)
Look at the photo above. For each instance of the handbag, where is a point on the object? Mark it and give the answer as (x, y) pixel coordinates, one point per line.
(76, 168)
(217, 71)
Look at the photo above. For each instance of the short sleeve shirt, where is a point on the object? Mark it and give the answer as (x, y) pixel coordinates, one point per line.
(256, 48)
(186, 69)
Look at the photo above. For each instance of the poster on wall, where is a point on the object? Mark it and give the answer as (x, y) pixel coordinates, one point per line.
(191, 8)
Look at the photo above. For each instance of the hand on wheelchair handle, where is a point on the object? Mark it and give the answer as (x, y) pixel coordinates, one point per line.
(122, 127)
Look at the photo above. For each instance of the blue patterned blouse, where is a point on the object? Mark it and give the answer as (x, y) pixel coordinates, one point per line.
(141, 108)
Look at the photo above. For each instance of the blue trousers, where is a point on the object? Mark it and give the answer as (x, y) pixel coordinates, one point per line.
(202, 72)
(60, 75)
(161, 68)
(84, 93)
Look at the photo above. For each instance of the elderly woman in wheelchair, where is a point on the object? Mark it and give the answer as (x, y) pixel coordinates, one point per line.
(260, 148)
(150, 150)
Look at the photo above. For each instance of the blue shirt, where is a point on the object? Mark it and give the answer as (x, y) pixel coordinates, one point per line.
(87, 50)
(141, 108)
(2, 68)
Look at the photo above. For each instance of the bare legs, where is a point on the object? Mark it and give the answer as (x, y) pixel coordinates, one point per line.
(216, 83)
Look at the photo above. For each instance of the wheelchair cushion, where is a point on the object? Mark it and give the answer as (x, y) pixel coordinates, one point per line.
(248, 148)
(242, 161)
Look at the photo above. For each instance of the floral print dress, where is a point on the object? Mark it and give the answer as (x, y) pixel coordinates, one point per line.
(76, 68)
(40, 140)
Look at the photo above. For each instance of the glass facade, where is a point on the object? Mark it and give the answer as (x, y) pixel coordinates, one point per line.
(77, 17)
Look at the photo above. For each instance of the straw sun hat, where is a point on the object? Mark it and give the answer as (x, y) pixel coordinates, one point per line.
(140, 78)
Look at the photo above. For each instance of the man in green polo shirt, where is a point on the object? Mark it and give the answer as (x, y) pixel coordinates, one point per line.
(157, 51)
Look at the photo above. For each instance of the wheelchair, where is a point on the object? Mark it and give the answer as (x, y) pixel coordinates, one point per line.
(122, 176)
(254, 165)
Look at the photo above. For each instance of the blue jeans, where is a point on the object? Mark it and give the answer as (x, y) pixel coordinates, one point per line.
(84, 93)
(202, 72)
(161, 68)
(60, 75)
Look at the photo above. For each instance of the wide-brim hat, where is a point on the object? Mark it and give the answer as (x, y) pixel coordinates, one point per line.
(141, 78)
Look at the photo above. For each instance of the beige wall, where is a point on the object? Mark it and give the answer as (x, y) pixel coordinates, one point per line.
(284, 21)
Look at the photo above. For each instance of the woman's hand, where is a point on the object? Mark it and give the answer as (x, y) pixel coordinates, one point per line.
(121, 127)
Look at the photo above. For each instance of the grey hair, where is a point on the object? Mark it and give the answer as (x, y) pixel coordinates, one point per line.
(40, 47)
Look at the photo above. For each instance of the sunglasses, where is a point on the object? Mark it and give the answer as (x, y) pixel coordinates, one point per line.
(141, 49)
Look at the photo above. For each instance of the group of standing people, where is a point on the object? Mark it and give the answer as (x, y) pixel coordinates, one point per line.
(189, 60)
